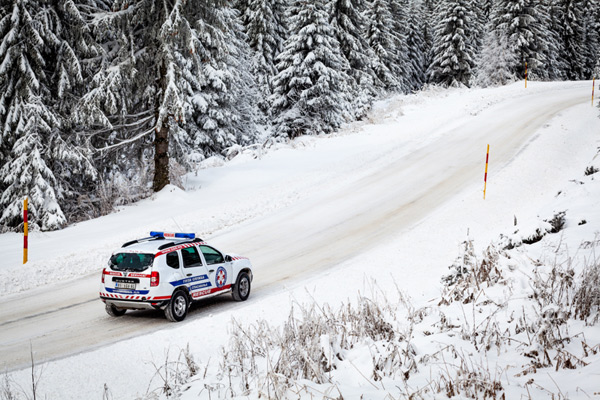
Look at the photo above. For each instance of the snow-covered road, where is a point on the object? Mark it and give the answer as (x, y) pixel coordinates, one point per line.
(316, 214)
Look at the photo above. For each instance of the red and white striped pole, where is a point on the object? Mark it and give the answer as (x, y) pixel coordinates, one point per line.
(487, 158)
(25, 231)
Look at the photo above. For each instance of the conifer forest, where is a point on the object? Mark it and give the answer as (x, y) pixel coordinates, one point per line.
(103, 102)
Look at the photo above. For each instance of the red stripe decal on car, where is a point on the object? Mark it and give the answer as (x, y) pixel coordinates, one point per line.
(178, 247)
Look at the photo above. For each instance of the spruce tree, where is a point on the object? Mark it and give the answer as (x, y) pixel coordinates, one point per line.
(572, 34)
(527, 24)
(266, 31)
(403, 68)
(453, 50)
(416, 46)
(166, 72)
(549, 44)
(311, 87)
(428, 18)
(222, 107)
(592, 37)
(383, 39)
(348, 23)
(495, 62)
(39, 74)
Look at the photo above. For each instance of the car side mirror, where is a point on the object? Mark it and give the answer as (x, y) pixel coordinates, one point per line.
(228, 258)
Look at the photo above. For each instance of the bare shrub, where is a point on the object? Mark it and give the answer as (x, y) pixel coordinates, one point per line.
(310, 345)
(7, 390)
(467, 379)
(173, 375)
(553, 294)
(469, 275)
(586, 302)
(306, 357)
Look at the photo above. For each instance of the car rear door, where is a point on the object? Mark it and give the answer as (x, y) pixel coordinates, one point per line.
(196, 276)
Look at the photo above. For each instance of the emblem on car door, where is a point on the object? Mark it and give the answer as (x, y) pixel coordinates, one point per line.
(221, 277)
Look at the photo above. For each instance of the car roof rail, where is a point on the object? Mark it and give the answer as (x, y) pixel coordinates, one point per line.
(164, 246)
(146, 239)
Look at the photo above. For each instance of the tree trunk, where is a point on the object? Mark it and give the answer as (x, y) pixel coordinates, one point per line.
(161, 157)
(161, 142)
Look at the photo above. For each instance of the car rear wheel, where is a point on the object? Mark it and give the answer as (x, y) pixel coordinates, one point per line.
(114, 311)
(241, 289)
(177, 308)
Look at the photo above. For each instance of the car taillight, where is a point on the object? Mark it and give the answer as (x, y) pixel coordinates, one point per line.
(103, 271)
(154, 278)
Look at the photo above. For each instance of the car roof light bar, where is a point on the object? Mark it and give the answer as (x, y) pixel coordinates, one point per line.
(177, 235)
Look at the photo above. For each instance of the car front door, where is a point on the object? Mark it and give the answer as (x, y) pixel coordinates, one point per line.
(220, 273)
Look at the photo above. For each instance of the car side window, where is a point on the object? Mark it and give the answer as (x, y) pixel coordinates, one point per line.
(173, 260)
(191, 258)
(211, 255)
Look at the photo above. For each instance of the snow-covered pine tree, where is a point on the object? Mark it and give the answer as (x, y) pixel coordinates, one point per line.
(160, 77)
(382, 38)
(266, 31)
(527, 25)
(428, 18)
(453, 50)
(404, 67)
(485, 10)
(495, 62)
(416, 45)
(572, 35)
(557, 63)
(77, 57)
(480, 20)
(223, 106)
(592, 40)
(347, 21)
(311, 87)
(34, 59)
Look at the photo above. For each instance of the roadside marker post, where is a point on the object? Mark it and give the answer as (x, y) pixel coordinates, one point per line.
(525, 74)
(487, 158)
(593, 87)
(25, 230)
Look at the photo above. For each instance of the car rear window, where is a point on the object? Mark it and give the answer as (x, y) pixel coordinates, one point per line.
(173, 260)
(131, 261)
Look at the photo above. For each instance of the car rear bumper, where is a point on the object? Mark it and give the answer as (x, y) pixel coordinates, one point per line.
(135, 304)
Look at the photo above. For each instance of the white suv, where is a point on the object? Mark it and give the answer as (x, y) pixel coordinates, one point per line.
(168, 271)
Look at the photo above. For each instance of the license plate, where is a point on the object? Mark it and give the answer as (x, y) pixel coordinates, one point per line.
(123, 285)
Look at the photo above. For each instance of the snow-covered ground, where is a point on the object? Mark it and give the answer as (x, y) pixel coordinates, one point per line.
(412, 257)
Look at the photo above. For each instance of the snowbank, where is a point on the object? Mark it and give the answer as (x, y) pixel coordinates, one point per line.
(414, 261)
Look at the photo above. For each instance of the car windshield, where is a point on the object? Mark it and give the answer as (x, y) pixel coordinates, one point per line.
(131, 261)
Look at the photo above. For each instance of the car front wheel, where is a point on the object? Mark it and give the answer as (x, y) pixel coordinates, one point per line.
(177, 308)
(241, 289)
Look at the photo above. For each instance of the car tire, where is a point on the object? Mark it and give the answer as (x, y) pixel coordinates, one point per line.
(115, 311)
(241, 289)
(178, 306)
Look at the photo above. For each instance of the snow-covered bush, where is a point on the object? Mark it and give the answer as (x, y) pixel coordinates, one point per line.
(469, 275)
(487, 311)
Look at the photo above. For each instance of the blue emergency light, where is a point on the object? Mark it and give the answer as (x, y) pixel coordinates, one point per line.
(173, 235)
